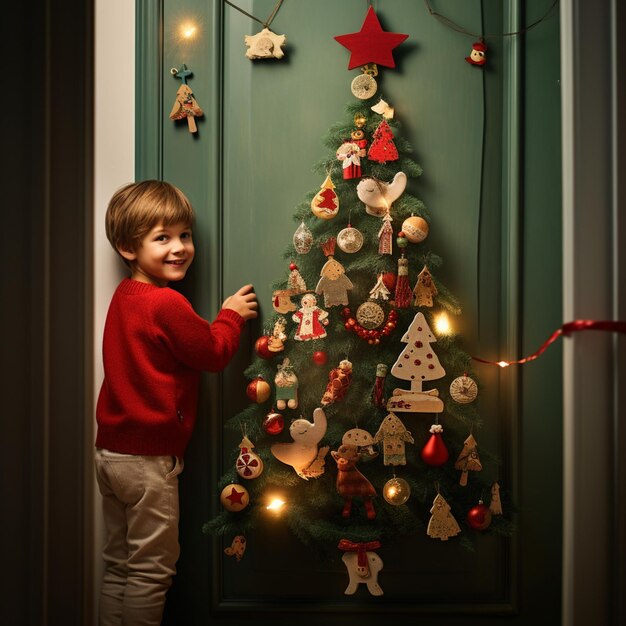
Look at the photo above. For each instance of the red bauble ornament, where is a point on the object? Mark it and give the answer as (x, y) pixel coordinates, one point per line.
(320, 357)
(273, 423)
(258, 390)
(389, 280)
(371, 44)
(435, 452)
(479, 516)
(260, 347)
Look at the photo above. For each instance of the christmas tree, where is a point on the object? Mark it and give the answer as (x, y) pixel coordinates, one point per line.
(353, 317)
(327, 368)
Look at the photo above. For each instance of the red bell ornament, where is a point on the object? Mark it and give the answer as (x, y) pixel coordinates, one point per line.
(435, 452)
(479, 516)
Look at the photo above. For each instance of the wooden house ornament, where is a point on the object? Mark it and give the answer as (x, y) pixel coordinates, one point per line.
(424, 289)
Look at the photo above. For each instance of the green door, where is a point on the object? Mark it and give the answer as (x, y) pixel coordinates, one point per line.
(487, 139)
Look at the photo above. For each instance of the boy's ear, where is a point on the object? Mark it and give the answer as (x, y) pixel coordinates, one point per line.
(129, 255)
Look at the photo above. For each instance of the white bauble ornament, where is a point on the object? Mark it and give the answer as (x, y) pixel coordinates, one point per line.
(249, 464)
(350, 240)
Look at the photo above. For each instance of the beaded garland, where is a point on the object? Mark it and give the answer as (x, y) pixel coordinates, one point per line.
(372, 337)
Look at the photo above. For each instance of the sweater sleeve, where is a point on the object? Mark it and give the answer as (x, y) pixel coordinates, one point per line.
(190, 338)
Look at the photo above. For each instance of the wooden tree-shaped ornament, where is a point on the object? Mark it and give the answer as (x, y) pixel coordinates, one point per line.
(417, 363)
(424, 289)
(185, 105)
(468, 460)
(442, 524)
(380, 291)
(383, 149)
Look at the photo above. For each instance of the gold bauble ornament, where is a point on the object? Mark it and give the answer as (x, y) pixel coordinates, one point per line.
(415, 229)
(463, 389)
(363, 86)
(370, 315)
(234, 498)
(396, 491)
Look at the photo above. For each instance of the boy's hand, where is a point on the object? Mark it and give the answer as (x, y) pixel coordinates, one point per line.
(243, 302)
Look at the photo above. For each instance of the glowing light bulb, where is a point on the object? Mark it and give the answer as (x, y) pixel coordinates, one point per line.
(188, 31)
(503, 364)
(275, 505)
(442, 324)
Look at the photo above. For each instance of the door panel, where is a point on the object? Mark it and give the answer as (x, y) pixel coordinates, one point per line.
(249, 166)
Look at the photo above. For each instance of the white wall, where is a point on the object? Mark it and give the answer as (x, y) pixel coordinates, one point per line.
(114, 165)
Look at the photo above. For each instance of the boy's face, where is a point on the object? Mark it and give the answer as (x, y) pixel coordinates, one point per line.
(163, 255)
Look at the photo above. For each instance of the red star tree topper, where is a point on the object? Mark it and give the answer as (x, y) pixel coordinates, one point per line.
(371, 44)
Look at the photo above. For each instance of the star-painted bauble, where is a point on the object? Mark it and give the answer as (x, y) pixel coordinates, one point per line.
(371, 44)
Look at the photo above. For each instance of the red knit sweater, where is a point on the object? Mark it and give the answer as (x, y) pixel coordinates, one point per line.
(154, 348)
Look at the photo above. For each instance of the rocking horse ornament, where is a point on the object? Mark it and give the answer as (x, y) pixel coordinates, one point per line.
(350, 482)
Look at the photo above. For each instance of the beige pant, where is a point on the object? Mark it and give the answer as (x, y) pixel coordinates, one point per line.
(140, 509)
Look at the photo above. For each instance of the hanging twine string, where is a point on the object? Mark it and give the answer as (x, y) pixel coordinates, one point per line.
(267, 22)
(446, 21)
(566, 329)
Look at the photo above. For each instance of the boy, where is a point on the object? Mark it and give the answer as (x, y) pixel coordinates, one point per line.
(154, 348)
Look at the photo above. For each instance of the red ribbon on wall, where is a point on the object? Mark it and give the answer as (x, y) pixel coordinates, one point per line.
(566, 329)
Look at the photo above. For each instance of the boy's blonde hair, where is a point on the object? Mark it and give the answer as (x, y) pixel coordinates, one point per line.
(135, 209)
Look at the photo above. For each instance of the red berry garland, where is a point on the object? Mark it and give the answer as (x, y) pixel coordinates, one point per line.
(372, 337)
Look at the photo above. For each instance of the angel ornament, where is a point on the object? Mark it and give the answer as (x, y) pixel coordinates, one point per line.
(350, 153)
(311, 320)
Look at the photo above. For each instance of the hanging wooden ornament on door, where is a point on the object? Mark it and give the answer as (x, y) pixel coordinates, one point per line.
(185, 106)
(265, 44)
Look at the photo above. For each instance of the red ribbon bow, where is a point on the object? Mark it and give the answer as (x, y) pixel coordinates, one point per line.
(360, 548)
